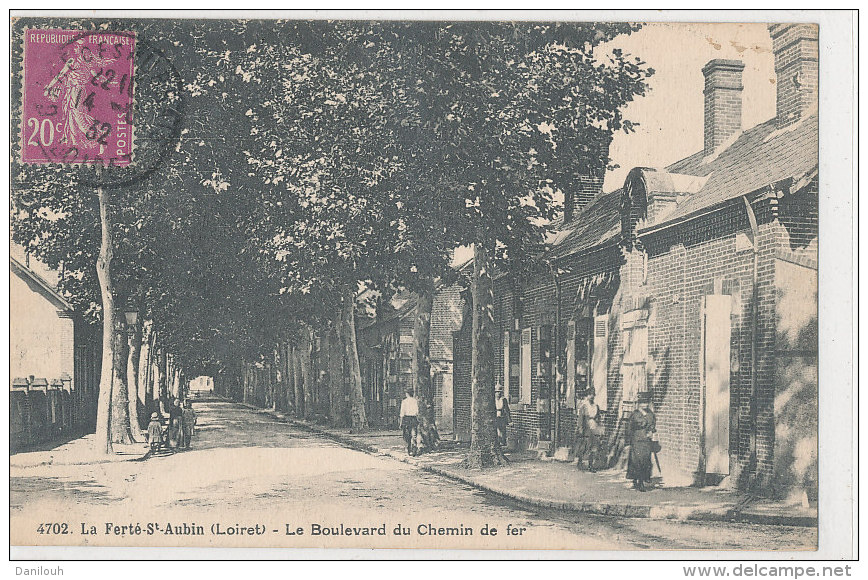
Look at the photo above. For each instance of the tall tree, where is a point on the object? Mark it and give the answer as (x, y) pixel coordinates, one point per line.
(515, 99)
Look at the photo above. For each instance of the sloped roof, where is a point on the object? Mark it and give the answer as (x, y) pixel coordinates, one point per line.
(672, 183)
(599, 222)
(758, 157)
(38, 284)
(404, 302)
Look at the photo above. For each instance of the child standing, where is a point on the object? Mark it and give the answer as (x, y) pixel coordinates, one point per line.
(155, 433)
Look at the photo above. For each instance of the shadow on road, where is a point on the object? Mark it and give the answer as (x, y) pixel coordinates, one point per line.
(225, 425)
(66, 490)
(47, 445)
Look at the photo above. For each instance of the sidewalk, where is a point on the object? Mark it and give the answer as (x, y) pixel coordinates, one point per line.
(559, 485)
(79, 451)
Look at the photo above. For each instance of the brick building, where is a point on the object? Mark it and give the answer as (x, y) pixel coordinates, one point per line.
(698, 283)
(386, 357)
(54, 362)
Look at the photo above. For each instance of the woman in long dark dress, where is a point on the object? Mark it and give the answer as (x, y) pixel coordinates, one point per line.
(639, 433)
(176, 414)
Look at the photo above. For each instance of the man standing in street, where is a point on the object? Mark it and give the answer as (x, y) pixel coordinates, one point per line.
(502, 419)
(589, 433)
(409, 420)
(188, 423)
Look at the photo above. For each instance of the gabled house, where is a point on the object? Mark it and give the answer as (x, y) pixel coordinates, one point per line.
(54, 362)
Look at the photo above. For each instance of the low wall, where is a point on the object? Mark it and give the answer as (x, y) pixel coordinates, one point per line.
(40, 412)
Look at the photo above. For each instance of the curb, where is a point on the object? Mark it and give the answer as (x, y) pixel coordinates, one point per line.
(732, 515)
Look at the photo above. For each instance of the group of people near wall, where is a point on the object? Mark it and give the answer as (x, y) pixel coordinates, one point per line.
(175, 432)
(590, 431)
(641, 437)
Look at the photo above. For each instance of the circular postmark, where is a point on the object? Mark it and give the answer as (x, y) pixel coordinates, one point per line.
(111, 107)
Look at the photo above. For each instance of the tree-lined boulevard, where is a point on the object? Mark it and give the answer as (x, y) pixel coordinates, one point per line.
(307, 171)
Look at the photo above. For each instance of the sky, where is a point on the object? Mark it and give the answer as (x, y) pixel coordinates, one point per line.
(671, 113)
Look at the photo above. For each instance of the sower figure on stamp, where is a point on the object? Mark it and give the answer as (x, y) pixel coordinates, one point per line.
(640, 434)
(409, 420)
(589, 430)
(504, 416)
(81, 68)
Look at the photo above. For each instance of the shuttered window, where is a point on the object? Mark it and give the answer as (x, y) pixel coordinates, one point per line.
(525, 377)
(571, 364)
(600, 360)
(505, 369)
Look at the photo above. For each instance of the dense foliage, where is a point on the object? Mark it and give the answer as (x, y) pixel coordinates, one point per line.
(321, 159)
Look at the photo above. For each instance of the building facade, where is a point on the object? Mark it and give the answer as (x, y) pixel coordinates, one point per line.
(386, 357)
(697, 283)
(54, 363)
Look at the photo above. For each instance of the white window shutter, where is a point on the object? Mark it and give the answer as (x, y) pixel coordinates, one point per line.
(600, 361)
(525, 380)
(571, 364)
(506, 364)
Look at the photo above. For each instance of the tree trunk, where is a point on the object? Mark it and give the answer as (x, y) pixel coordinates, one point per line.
(160, 381)
(155, 378)
(290, 380)
(166, 396)
(246, 383)
(357, 398)
(298, 387)
(145, 388)
(153, 386)
(163, 393)
(422, 385)
(337, 392)
(121, 429)
(133, 369)
(485, 449)
(288, 384)
(103, 269)
(275, 374)
(307, 372)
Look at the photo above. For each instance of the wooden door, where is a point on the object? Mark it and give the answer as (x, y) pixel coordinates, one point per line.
(716, 374)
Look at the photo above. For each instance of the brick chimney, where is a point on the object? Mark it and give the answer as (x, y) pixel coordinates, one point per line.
(587, 183)
(585, 189)
(796, 48)
(722, 101)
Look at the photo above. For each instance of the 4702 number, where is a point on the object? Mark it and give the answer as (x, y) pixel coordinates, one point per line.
(57, 529)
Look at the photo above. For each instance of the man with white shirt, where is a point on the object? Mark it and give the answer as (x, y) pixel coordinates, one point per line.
(503, 415)
(409, 420)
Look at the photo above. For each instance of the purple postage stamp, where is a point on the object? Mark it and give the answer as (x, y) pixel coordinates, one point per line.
(78, 97)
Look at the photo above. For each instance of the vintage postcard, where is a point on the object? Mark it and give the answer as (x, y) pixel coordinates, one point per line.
(504, 284)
